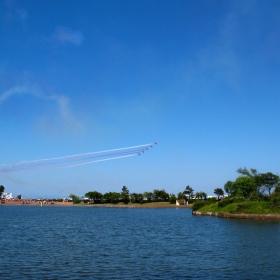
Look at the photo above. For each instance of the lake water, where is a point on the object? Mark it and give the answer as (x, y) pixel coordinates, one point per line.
(128, 243)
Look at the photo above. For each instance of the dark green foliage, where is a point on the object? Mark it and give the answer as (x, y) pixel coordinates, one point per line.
(199, 203)
(125, 195)
(200, 195)
(112, 197)
(245, 172)
(267, 181)
(219, 192)
(161, 195)
(264, 182)
(2, 188)
(180, 195)
(148, 195)
(224, 202)
(228, 187)
(275, 200)
(244, 184)
(94, 195)
(136, 197)
(125, 190)
(188, 192)
(256, 196)
(172, 199)
(75, 198)
(277, 190)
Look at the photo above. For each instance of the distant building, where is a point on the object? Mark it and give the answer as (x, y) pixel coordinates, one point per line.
(181, 202)
(7, 195)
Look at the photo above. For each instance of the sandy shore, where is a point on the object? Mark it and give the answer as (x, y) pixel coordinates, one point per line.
(119, 205)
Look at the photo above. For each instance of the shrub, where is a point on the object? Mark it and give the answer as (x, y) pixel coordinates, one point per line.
(198, 204)
(224, 202)
(256, 196)
(274, 200)
(172, 199)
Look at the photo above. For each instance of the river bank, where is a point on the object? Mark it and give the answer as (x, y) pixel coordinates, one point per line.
(119, 205)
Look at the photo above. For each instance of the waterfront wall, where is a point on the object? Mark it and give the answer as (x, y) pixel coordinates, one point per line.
(238, 216)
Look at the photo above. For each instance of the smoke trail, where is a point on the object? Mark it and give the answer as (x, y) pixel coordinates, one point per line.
(75, 160)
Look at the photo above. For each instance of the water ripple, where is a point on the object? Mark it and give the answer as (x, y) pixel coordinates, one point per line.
(113, 243)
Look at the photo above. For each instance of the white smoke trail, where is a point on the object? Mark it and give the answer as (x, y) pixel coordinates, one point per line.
(74, 160)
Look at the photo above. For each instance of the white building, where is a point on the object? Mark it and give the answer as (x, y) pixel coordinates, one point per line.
(7, 195)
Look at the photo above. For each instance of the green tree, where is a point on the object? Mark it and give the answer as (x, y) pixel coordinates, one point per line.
(172, 199)
(161, 195)
(188, 192)
(245, 172)
(148, 195)
(2, 188)
(125, 190)
(219, 192)
(203, 195)
(244, 184)
(136, 197)
(200, 195)
(267, 181)
(75, 198)
(94, 195)
(228, 188)
(277, 189)
(112, 197)
(125, 195)
(180, 195)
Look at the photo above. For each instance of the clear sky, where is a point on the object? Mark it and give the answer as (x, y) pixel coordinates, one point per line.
(199, 77)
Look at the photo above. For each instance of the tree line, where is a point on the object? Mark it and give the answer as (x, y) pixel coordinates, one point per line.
(250, 185)
(125, 196)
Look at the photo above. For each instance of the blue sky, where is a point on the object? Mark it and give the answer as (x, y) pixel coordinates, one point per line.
(199, 77)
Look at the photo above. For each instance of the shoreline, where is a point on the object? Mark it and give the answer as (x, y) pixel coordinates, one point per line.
(107, 205)
(238, 216)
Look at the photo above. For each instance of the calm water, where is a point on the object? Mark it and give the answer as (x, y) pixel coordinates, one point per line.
(115, 243)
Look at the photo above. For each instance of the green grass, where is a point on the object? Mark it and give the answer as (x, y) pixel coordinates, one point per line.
(246, 207)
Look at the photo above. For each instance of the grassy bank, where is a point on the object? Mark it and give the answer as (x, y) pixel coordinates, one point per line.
(244, 207)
